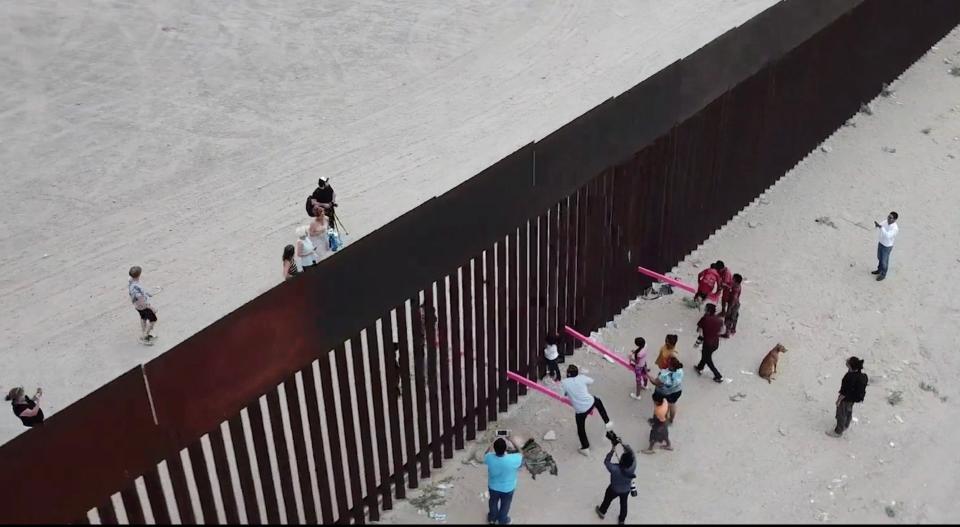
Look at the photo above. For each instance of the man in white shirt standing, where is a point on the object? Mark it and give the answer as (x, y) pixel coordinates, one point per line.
(575, 387)
(888, 231)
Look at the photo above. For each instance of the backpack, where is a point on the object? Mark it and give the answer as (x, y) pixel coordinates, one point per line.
(333, 240)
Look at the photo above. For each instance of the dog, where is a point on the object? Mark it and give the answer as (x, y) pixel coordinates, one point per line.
(768, 366)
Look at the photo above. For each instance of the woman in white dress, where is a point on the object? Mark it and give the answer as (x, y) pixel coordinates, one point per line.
(306, 252)
(318, 233)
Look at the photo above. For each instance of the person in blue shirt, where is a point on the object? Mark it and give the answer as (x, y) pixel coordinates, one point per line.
(502, 469)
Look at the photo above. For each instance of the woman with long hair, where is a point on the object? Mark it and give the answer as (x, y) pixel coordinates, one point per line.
(26, 408)
(290, 267)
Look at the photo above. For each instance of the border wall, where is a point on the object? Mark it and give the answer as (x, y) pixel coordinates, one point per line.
(299, 407)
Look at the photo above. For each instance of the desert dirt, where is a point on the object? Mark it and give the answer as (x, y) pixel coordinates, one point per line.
(183, 136)
(749, 451)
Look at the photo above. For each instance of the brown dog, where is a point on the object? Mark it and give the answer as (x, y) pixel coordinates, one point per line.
(768, 366)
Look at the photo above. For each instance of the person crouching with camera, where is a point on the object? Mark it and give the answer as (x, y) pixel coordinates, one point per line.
(622, 475)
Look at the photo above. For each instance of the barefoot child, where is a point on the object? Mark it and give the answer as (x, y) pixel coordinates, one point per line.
(658, 428)
(639, 362)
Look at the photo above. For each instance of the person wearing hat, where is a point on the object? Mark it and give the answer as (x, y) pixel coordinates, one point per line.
(322, 198)
(853, 388)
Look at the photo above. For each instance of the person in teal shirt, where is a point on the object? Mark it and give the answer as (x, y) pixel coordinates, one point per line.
(502, 469)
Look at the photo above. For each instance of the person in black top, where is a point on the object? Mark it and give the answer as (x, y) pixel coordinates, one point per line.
(853, 388)
(322, 198)
(26, 408)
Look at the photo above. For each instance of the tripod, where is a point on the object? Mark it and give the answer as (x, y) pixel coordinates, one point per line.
(335, 222)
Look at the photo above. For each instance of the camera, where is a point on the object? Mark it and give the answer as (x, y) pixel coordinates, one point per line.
(614, 438)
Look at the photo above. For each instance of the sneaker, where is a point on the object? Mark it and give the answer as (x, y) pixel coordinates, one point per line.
(600, 514)
(146, 341)
(832, 433)
(635, 396)
(874, 272)
(648, 451)
(585, 452)
(151, 338)
(725, 336)
(609, 425)
(880, 277)
(698, 370)
(718, 379)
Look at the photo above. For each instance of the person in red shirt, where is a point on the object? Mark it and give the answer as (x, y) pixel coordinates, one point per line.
(707, 281)
(730, 307)
(709, 327)
(726, 276)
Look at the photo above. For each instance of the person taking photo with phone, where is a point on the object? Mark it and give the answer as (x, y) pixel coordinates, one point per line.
(503, 464)
(622, 474)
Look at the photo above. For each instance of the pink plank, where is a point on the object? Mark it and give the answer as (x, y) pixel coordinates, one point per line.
(674, 282)
(597, 346)
(535, 386)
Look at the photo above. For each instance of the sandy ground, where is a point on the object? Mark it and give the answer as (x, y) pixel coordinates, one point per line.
(764, 457)
(182, 136)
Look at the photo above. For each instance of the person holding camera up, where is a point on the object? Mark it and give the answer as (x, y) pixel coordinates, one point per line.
(575, 387)
(622, 475)
(502, 468)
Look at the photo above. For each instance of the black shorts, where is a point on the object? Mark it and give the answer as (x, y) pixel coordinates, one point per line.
(671, 398)
(147, 314)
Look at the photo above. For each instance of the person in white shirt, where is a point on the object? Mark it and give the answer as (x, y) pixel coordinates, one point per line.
(888, 231)
(575, 387)
(552, 354)
(306, 252)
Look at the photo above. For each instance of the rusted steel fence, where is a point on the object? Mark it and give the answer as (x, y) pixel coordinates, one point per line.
(325, 398)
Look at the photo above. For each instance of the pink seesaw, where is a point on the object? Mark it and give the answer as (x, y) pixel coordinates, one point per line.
(536, 386)
(597, 346)
(674, 282)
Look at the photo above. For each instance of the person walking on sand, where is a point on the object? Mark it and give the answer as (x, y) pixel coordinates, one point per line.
(888, 232)
(638, 360)
(730, 307)
(622, 474)
(575, 387)
(502, 468)
(26, 408)
(669, 349)
(551, 354)
(669, 386)
(659, 431)
(853, 388)
(709, 327)
(306, 252)
(141, 302)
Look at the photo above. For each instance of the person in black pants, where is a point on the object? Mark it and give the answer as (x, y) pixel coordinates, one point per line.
(551, 354)
(621, 480)
(582, 401)
(710, 327)
(853, 388)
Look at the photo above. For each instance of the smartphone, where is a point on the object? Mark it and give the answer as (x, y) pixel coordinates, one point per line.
(503, 433)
